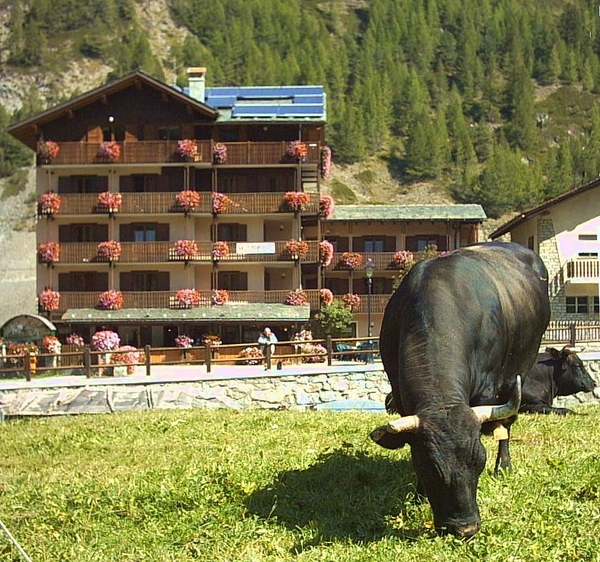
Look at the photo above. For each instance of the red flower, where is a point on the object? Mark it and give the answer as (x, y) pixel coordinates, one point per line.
(49, 300)
(110, 250)
(352, 260)
(325, 252)
(326, 206)
(186, 249)
(186, 298)
(296, 298)
(49, 252)
(296, 249)
(110, 150)
(188, 199)
(110, 200)
(187, 148)
(296, 200)
(110, 300)
(326, 297)
(352, 301)
(220, 297)
(220, 250)
(49, 203)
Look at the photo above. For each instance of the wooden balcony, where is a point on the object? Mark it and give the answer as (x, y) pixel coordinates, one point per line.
(165, 152)
(381, 260)
(582, 271)
(167, 299)
(166, 202)
(72, 253)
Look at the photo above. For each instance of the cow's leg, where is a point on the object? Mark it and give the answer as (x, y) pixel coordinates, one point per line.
(502, 434)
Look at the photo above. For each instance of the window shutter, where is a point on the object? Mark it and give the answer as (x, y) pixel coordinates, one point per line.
(126, 281)
(126, 233)
(162, 232)
(358, 244)
(342, 244)
(100, 232)
(64, 282)
(442, 243)
(101, 281)
(389, 244)
(163, 281)
(64, 233)
(411, 243)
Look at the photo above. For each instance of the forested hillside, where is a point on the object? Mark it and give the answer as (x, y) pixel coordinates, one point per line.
(496, 100)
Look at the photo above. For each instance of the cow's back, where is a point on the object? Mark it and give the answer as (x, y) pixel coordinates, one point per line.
(461, 326)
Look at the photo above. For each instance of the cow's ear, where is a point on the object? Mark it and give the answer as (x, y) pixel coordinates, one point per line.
(389, 440)
(554, 353)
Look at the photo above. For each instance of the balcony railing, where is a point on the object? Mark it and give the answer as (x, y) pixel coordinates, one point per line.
(166, 202)
(163, 152)
(167, 299)
(381, 261)
(582, 269)
(162, 252)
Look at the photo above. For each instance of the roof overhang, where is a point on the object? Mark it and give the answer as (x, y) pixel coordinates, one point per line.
(22, 130)
(242, 312)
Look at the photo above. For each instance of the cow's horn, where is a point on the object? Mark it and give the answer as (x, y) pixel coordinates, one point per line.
(494, 413)
(405, 423)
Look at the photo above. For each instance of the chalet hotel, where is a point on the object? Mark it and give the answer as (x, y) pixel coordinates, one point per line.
(164, 211)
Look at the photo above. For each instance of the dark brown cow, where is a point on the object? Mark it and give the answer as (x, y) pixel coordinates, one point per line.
(455, 335)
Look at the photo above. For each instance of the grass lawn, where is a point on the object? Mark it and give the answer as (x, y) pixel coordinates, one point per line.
(216, 485)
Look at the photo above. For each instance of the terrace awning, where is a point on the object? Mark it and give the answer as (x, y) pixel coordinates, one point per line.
(236, 312)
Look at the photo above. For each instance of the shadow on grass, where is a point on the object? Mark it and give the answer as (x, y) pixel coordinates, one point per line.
(346, 494)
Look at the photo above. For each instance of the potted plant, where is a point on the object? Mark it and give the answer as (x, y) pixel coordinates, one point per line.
(185, 250)
(325, 162)
(296, 298)
(296, 249)
(351, 301)
(49, 300)
(211, 339)
(49, 252)
(109, 250)
(187, 149)
(110, 300)
(296, 200)
(129, 356)
(184, 341)
(220, 297)
(49, 203)
(297, 150)
(325, 252)
(187, 298)
(109, 150)
(188, 200)
(219, 153)
(75, 339)
(110, 201)
(220, 202)
(220, 250)
(250, 356)
(46, 151)
(326, 206)
(105, 340)
(351, 260)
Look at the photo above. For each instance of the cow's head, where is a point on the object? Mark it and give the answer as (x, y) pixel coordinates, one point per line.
(448, 457)
(571, 375)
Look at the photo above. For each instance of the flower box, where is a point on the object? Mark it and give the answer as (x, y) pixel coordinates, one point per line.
(110, 300)
(110, 201)
(49, 300)
(184, 341)
(220, 153)
(188, 200)
(221, 202)
(46, 151)
(49, 252)
(109, 250)
(297, 150)
(110, 151)
(75, 339)
(220, 297)
(325, 252)
(49, 203)
(51, 344)
(250, 356)
(296, 200)
(296, 298)
(326, 206)
(296, 249)
(326, 297)
(187, 298)
(352, 301)
(220, 250)
(185, 250)
(351, 260)
(187, 149)
(403, 260)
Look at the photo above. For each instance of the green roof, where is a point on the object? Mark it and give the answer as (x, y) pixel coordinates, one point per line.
(236, 312)
(408, 212)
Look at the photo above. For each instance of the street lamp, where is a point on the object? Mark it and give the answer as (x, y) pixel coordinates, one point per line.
(369, 268)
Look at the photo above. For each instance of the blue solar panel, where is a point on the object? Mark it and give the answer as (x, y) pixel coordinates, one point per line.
(303, 110)
(309, 99)
(255, 111)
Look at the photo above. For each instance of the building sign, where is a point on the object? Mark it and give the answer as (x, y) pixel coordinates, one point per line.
(27, 327)
(255, 248)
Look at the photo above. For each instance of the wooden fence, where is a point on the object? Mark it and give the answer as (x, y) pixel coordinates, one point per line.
(84, 361)
(572, 332)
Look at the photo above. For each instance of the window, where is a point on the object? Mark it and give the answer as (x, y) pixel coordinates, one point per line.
(233, 280)
(588, 237)
(577, 305)
(374, 245)
(113, 134)
(422, 242)
(144, 233)
(144, 281)
(597, 305)
(169, 133)
(232, 232)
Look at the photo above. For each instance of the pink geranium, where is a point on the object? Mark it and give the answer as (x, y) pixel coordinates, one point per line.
(49, 252)
(325, 252)
(326, 297)
(110, 300)
(296, 298)
(49, 203)
(49, 300)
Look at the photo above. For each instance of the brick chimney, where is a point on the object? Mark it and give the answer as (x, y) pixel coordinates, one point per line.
(197, 82)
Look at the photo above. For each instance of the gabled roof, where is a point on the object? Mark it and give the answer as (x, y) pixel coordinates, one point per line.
(474, 213)
(269, 103)
(21, 130)
(524, 216)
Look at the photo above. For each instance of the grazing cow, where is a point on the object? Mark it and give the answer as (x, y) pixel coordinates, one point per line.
(455, 337)
(556, 373)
